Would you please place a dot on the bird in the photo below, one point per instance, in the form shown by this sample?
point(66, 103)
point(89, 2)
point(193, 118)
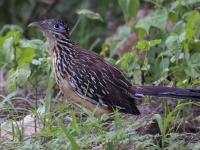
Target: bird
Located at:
point(87, 79)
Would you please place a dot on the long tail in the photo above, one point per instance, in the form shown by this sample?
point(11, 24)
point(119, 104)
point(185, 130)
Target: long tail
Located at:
point(171, 92)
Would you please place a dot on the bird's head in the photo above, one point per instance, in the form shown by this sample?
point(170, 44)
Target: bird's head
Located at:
point(52, 28)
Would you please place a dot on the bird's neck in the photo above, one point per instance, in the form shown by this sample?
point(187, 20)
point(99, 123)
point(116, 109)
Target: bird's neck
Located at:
point(59, 47)
point(62, 53)
point(66, 46)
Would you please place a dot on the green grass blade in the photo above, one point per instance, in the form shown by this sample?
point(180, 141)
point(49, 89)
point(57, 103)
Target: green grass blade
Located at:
point(74, 124)
point(69, 136)
point(117, 122)
point(160, 121)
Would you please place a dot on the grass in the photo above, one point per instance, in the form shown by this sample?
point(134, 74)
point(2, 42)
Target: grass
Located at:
point(71, 128)
point(55, 124)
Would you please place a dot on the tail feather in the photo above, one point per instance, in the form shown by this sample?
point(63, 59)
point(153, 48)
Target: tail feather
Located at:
point(171, 92)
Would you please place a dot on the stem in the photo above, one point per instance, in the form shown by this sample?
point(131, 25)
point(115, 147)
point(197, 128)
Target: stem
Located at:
point(156, 4)
point(36, 96)
point(15, 57)
point(35, 86)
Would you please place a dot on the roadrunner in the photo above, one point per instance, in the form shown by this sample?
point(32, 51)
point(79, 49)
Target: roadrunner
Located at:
point(87, 79)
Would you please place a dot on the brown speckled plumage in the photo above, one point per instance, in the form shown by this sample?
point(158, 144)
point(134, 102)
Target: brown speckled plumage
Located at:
point(86, 78)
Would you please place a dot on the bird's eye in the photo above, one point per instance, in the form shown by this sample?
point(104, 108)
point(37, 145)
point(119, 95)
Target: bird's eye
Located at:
point(59, 27)
point(56, 26)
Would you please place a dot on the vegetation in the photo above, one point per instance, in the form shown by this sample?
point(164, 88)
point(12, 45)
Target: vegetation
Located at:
point(166, 52)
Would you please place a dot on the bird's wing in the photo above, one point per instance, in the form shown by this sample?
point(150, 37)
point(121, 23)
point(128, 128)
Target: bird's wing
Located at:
point(100, 82)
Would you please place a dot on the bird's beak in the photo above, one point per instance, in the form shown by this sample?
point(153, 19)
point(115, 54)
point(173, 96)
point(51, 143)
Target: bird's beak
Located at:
point(35, 25)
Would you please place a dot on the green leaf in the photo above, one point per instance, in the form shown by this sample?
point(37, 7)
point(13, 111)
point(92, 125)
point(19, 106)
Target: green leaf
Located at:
point(140, 33)
point(195, 45)
point(8, 49)
point(89, 14)
point(173, 17)
point(143, 45)
point(145, 67)
point(154, 42)
point(196, 82)
point(129, 8)
point(189, 33)
point(8, 45)
point(174, 45)
point(166, 53)
point(193, 19)
point(14, 34)
point(189, 2)
point(36, 62)
point(104, 50)
point(44, 63)
point(192, 72)
point(133, 8)
point(16, 37)
point(174, 5)
point(23, 73)
point(195, 58)
point(129, 64)
point(26, 56)
point(182, 84)
point(36, 44)
point(157, 18)
point(181, 37)
point(164, 63)
point(11, 81)
point(124, 4)
point(178, 28)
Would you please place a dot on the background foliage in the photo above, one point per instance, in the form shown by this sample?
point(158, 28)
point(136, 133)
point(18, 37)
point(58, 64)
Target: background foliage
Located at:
point(165, 51)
